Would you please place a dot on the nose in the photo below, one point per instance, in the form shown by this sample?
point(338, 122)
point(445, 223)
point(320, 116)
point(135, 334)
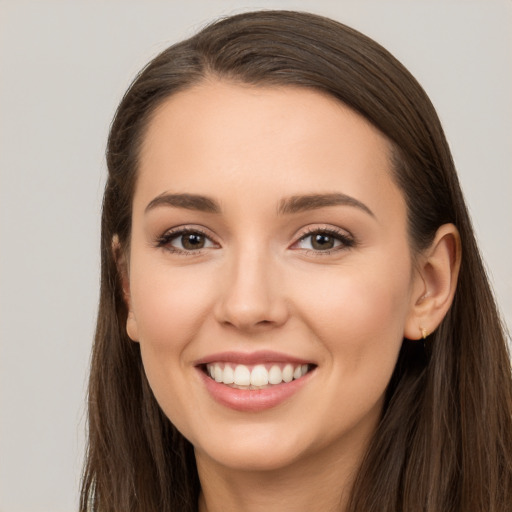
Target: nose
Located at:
point(252, 297)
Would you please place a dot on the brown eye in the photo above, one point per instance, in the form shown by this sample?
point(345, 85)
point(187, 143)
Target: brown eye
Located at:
point(185, 241)
point(322, 241)
point(191, 241)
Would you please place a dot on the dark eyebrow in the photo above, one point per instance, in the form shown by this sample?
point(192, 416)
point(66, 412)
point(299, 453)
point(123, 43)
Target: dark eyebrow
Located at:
point(187, 201)
point(296, 204)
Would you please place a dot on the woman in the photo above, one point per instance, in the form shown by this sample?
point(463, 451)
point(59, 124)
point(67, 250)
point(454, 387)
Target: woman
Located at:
point(294, 314)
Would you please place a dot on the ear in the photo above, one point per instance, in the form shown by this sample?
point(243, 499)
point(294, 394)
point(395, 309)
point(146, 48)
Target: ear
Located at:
point(435, 283)
point(123, 270)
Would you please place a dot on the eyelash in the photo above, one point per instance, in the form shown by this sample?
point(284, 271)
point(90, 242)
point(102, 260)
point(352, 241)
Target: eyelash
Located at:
point(346, 241)
point(165, 240)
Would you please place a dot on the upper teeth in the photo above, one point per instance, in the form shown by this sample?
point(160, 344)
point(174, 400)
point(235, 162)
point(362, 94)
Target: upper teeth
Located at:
point(255, 376)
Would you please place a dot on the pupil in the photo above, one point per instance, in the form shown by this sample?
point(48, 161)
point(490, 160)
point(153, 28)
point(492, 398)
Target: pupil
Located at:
point(193, 241)
point(323, 242)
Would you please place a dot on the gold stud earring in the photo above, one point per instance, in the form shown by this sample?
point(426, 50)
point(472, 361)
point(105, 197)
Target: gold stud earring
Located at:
point(424, 332)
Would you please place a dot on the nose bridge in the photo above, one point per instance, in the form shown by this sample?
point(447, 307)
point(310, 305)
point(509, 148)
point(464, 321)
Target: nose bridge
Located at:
point(251, 292)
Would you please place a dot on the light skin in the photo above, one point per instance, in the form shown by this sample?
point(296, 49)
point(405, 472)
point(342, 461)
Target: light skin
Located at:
point(296, 242)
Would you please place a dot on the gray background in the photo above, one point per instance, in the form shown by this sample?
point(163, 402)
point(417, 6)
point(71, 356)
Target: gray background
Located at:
point(63, 68)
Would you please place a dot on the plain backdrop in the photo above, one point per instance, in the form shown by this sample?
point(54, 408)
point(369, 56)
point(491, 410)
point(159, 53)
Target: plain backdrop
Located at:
point(63, 68)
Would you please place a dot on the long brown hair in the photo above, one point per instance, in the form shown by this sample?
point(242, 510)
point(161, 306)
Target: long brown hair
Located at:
point(445, 439)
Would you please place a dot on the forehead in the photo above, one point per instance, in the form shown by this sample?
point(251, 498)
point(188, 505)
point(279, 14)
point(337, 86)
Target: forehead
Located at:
point(287, 140)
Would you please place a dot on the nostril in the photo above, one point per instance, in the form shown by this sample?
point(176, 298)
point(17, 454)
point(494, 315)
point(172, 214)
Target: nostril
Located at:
point(247, 324)
point(251, 300)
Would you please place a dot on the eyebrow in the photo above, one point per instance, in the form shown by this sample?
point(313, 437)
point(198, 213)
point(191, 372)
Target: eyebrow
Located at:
point(296, 204)
point(187, 201)
point(290, 205)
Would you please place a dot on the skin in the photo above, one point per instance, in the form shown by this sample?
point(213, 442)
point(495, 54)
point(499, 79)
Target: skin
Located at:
point(258, 284)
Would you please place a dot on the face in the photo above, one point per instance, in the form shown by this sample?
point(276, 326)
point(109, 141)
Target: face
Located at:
point(270, 276)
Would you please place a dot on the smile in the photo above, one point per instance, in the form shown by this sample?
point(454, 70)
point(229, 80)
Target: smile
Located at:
point(254, 382)
point(259, 376)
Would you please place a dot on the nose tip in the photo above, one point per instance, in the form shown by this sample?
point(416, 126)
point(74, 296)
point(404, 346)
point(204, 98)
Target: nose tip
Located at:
point(252, 299)
point(247, 317)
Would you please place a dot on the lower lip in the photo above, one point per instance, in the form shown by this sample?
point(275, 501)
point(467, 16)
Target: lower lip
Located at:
point(254, 400)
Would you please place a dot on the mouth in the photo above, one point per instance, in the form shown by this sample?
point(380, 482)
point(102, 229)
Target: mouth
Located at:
point(254, 382)
point(256, 376)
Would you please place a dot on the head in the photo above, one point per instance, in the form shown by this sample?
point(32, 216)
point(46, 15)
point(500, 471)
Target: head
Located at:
point(275, 51)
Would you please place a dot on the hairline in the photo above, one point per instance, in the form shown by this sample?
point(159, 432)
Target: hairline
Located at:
point(209, 75)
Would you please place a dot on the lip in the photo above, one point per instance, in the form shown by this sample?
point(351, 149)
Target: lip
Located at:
point(256, 400)
point(251, 358)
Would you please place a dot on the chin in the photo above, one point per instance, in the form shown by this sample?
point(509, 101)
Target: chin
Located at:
point(255, 448)
point(252, 458)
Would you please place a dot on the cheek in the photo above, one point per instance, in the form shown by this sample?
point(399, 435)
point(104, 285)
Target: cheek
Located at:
point(362, 311)
point(169, 307)
point(360, 318)
point(168, 304)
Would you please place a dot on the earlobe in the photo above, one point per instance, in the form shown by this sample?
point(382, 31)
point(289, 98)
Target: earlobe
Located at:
point(436, 283)
point(122, 269)
point(131, 327)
